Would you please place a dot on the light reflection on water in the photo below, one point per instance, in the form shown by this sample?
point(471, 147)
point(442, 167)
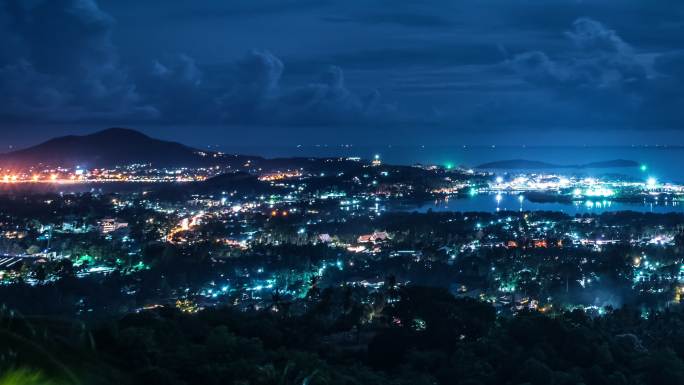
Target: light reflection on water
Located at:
point(512, 202)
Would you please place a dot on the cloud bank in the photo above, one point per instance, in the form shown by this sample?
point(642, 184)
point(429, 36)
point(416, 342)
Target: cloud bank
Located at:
point(606, 79)
point(441, 68)
point(64, 67)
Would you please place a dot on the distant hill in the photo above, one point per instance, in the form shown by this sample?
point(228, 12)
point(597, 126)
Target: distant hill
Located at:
point(518, 164)
point(111, 147)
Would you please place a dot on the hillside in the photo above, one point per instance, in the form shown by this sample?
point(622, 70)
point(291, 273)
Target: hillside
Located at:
point(111, 147)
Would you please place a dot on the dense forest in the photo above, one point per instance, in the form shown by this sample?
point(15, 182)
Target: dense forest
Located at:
point(406, 335)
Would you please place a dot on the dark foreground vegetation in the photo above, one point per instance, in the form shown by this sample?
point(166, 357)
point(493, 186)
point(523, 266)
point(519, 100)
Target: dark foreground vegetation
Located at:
point(408, 335)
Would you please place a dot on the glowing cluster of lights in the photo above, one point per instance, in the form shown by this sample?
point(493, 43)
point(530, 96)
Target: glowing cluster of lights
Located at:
point(603, 192)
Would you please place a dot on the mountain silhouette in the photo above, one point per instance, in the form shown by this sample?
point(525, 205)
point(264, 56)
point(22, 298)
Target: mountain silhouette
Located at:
point(108, 148)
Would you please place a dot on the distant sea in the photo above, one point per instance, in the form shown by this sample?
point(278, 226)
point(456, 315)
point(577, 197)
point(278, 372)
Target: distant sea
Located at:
point(665, 163)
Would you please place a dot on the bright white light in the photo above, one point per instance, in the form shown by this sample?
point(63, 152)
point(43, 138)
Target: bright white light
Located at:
point(498, 198)
point(651, 182)
point(599, 192)
point(521, 198)
point(577, 192)
point(499, 180)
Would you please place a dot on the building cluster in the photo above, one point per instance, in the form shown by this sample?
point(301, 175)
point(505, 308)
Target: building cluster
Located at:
point(288, 233)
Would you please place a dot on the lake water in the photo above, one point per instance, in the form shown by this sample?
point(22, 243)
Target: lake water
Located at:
point(488, 203)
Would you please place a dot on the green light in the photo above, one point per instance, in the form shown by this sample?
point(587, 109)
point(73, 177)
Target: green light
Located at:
point(643, 167)
point(84, 259)
point(449, 166)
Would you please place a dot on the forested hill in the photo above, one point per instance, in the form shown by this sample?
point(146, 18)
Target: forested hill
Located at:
point(426, 336)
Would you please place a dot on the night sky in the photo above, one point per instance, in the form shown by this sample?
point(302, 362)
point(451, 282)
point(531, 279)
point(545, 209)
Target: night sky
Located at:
point(283, 72)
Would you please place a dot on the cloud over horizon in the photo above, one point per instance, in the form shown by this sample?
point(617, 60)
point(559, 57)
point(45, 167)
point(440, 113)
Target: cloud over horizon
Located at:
point(467, 70)
point(61, 64)
point(67, 69)
point(608, 79)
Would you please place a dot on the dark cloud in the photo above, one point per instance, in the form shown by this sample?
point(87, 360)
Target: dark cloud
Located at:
point(605, 82)
point(647, 24)
point(601, 61)
point(173, 86)
point(254, 87)
point(329, 102)
point(390, 59)
point(576, 64)
point(591, 36)
point(63, 66)
point(181, 70)
point(68, 70)
point(407, 19)
point(601, 77)
point(198, 10)
point(664, 99)
point(250, 92)
point(257, 96)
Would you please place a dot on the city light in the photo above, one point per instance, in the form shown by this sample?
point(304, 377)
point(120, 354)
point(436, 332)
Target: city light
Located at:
point(599, 192)
point(297, 223)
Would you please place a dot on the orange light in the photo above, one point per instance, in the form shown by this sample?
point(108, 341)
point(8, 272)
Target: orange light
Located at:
point(284, 213)
point(53, 177)
point(6, 178)
point(274, 213)
point(35, 178)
